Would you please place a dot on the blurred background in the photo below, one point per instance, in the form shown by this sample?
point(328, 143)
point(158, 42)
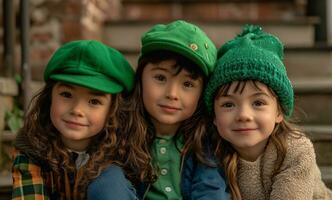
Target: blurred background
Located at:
point(31, 30)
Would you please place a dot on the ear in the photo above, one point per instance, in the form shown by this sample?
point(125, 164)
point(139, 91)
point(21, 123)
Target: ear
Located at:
point(214, 121)
point(279, 117)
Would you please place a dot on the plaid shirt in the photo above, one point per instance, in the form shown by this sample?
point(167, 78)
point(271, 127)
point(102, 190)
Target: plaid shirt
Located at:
point(30, 181)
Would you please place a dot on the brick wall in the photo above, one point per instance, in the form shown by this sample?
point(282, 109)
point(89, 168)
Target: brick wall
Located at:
point(212, 10)
point(54, 22)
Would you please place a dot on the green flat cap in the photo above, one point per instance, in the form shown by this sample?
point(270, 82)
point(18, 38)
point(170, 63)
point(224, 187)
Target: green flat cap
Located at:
point(183, 38)
point(91, 64)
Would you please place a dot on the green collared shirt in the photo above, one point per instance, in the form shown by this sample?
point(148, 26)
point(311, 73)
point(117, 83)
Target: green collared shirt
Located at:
point(167, 159)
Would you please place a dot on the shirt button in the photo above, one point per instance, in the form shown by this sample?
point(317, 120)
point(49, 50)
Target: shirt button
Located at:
point(162, 150)
point(168, 189)
point(163, 172)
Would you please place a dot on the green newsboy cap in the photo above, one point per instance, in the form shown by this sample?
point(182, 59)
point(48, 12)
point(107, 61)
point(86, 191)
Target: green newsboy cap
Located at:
point(183, 38)
point(91, 64)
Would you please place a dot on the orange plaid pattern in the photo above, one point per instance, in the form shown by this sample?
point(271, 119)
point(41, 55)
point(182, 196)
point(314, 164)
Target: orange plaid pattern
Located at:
point(29, 180)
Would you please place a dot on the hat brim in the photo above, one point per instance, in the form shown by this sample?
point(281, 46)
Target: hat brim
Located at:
point(174, 47)
point(89, 81)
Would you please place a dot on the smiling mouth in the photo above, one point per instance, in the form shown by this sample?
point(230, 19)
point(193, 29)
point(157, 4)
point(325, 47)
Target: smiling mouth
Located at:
point(169, 108)
point(244, 129)
point(71, 123)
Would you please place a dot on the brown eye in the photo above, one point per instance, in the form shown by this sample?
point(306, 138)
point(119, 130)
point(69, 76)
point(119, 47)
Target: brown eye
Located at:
point(227, 105)
point(66, 94)
point(259, 103)
point(95, 102)
point(188, 84)
point(160, 77)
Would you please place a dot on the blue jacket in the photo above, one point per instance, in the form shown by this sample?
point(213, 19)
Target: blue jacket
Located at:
point(198, 182)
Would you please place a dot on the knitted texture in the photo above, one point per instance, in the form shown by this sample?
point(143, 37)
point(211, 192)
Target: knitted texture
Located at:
point(252, 55)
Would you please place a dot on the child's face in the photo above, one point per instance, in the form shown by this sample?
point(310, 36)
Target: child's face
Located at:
point(78, 113)
point(247, 119)
point(168, 97)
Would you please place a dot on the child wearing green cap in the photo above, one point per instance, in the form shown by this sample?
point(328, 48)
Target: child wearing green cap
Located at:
point(166, 107)
point(250, 99)
point(69, 134)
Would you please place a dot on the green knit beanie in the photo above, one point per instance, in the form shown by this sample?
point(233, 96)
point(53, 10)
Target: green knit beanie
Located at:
point(252, 55)
point(183, 38)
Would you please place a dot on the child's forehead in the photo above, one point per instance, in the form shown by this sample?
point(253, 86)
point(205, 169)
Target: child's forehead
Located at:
point(247, 85)
point(63, 85)
point(172, 66)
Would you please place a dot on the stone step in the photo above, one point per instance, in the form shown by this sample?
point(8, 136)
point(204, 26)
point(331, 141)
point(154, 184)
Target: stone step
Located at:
point(6, 180)
point(322, 85)
point(321, 136)
point(313, 100)
point(5, 186)
point(7, 136)
point(125, 35)
point(309, 62)
point(225, 10)
point(327, 175)
point(301, 62)
point(318, 133)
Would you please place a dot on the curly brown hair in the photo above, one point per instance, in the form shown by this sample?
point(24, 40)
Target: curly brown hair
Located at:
point(43, 144)
point(139, 126)
point(228, 156)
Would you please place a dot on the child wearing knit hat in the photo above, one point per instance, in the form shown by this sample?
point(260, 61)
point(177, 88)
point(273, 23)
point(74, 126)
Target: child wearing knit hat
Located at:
point(251, 100)
point(166, 107)
point(69, 132)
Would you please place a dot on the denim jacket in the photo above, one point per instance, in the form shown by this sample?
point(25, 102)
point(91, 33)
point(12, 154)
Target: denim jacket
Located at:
point(198, 182)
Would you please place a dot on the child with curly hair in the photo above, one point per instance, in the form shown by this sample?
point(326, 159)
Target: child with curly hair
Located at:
point(71, 123)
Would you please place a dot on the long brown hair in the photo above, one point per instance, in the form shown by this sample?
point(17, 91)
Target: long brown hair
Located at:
point(228, 156)
point(138, 121)
point(43, 144)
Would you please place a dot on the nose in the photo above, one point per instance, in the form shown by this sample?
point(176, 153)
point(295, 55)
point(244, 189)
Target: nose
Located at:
point(244, 113)
point(77, 108)
point(172, 91)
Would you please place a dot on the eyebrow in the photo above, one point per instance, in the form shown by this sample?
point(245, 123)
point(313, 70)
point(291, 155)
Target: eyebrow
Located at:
point(97, 93)
point(62, 84)
point(187, 74)
point(262, 94)
point(253, 95)
point(159, 68)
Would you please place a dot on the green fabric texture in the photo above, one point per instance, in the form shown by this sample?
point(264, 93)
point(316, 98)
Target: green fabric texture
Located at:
point(183, 38)
point(252, 55)
point(167, 158)
point(91, 64)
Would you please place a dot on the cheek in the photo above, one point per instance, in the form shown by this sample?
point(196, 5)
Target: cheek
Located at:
point(147, 98)
point(148, 92)
point(99, 118)
point(55, 110)
point(221, 123)
point(192, 103)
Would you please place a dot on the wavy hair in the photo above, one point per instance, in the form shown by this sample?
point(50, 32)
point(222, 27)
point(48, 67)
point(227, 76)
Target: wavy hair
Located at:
point(228, 156)
point(139, 127)
point(43, 144)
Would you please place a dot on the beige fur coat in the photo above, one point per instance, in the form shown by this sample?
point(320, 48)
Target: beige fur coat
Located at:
point(299, 178)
